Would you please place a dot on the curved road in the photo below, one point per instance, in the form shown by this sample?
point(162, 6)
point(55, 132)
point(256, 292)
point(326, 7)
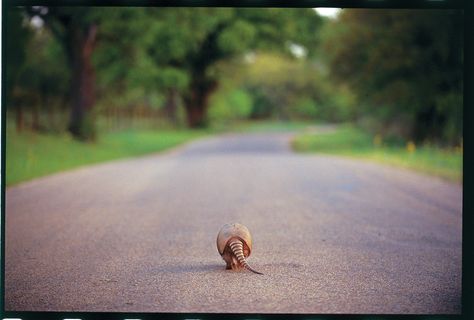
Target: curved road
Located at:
point(331, 235)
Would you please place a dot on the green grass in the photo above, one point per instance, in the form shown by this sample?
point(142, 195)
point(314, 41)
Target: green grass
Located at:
point(352, 142)
point(30, 155)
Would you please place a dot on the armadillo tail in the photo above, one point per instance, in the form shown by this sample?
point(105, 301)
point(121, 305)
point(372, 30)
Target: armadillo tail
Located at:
point(238, 250)
point(246, 265)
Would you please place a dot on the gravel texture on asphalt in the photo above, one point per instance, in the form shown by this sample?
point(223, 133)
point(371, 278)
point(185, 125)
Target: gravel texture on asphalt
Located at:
point(331, 235)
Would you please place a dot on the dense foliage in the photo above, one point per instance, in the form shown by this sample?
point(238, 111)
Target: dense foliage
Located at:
point(397, 72)
point(406, 67)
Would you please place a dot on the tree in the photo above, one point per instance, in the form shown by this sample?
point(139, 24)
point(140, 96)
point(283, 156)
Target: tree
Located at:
point(134, 53)
point(76, 29)
point(44, 77)
point(293, 88)
point(16, 42)
point(278, 85)
point(191, 42)
point(405, 65)
point(201, 38)
point(171, 50)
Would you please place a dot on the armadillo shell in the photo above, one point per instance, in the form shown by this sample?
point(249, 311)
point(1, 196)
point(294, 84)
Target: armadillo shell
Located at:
point(234, 230)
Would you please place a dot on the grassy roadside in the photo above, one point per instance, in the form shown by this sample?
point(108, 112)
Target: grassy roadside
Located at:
point(352, 142)
point(32, 155)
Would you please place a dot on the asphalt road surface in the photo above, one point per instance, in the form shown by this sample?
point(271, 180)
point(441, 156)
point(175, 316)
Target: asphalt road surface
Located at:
point(331, 235)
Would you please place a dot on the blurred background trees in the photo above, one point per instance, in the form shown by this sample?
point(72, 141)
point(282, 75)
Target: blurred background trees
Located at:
point(398, 73)
point(75, 29)
point(406, 67)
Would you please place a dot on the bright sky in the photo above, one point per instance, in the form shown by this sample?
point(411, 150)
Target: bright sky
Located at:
point(328, 12)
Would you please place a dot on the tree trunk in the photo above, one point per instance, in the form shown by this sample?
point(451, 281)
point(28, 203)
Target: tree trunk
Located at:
point(81, 46)
point(51, 120)
point(202, 86)
point(197, 99)
point(19, 118)
point(35, 122)
point(39, 104)
point(427, 124)
point(171, 105)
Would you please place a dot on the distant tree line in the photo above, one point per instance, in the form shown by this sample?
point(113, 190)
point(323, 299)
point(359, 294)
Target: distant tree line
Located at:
point(406, 67)
point(397, 72)
point(170, 50)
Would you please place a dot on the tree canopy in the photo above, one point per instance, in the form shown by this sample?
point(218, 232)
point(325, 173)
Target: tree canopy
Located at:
point(397, 72)
point(406, 66)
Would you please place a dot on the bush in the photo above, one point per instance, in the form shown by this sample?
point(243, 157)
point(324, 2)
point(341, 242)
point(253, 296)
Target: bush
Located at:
point(233, 105)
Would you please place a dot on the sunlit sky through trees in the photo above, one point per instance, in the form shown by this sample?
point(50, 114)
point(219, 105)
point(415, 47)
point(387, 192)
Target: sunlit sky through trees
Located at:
point(328, 12)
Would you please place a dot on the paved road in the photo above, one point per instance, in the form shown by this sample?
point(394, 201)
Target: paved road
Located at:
point(332, 235)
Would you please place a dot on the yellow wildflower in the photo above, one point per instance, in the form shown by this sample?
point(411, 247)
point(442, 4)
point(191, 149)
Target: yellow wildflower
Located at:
point(377, 140)
point(411, 147)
